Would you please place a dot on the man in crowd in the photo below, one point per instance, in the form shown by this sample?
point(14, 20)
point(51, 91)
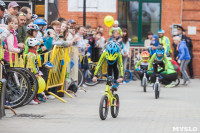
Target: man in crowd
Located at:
point(21, 30)
point(13, 8)
point(28, 13)
point(165, 42)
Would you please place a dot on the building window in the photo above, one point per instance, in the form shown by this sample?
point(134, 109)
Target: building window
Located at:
point(139, 17)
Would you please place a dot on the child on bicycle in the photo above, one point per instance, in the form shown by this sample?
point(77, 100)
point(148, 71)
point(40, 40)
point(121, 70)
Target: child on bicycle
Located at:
point(114, 58)
point(142, 64)
point(158, 59)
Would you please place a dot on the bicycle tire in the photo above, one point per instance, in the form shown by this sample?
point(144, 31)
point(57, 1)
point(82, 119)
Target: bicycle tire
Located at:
point(144, 85)
point(34, 84)
point(127, 76)
point(115, 108)
point(14, 101)
point(80, 78)
point(103, 113)
point(156, 91)
point(90, 75)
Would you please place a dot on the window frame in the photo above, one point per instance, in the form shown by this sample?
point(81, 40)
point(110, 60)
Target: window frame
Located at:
point(141, 43)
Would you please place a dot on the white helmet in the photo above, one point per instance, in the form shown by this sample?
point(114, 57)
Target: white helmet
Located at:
point(32, 27)
point(2, 4)
point(33, 42)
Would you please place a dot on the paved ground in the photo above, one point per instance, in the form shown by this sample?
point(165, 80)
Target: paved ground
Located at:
point(178, 108)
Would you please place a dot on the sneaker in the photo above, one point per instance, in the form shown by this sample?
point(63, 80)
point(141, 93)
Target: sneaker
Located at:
point(84, 85)
point(36, 100)
point(123, 82)
point(49, 65)
point(41, 99)
point(170, 85)
point(8, 103)
point(183, 83)
point(33, 102)
point(50, 97)
point(187, 83)
point(114, 87)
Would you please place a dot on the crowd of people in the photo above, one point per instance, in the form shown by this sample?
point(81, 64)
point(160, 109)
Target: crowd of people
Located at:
point(25, 33)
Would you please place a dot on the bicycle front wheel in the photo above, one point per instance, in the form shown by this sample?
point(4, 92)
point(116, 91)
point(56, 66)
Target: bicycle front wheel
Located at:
point(156, 91)
point(115, 107)
point(17, 88)
point(103, 107)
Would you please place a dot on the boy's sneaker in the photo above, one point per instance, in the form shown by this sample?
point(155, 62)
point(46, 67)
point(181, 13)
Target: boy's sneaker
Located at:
point(8, 103)
point(114, 87)
point(41, 99)
point(36, 100)
point(33, 102)
point(49, 65)
point(50, 97)
point(84, 85)
point(170, 85)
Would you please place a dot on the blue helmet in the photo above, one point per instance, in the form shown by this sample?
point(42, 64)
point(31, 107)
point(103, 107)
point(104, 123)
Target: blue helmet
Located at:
point(155, 36)
point(161, 31)
point(40, 21)
point(160, 52)
point(112, 51)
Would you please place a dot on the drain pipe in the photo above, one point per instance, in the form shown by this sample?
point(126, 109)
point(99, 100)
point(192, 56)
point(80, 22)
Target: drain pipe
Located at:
point(46, 9)
point(181, 11)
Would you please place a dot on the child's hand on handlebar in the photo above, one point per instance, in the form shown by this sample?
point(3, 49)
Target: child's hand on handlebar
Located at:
point(94, 79)
point(119, 80)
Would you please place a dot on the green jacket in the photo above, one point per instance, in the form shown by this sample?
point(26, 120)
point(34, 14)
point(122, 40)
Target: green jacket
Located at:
point(103, 58)
point(154, 59)
point(21, 34)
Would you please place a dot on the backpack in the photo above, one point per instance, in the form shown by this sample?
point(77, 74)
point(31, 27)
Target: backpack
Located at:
point(176, 65)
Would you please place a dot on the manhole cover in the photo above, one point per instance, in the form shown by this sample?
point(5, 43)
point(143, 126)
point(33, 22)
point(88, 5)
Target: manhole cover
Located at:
point(30, 115)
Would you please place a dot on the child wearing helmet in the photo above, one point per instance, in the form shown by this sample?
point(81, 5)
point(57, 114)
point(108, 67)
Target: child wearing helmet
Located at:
point(142, 64)
point(158, 59)
point(32, 31)
point(114, 59)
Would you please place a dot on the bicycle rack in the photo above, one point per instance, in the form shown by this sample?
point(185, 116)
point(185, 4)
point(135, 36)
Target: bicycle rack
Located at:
point(2, 97)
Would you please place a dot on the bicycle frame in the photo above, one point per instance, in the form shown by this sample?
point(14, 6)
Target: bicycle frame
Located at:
point(110, 96)
point(158, 83)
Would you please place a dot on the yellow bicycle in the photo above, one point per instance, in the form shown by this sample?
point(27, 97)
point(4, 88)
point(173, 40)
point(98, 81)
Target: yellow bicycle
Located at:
point(108, 99)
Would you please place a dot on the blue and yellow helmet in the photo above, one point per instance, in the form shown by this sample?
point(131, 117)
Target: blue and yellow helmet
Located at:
point(112, 51)
point(160, 52)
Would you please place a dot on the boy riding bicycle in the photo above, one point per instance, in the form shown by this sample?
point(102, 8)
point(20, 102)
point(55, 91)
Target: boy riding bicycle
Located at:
point(142, 64)
point(114, 59)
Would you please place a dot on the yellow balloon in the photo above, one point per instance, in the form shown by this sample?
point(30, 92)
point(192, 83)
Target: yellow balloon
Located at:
point(42, 85)
point(109, 20)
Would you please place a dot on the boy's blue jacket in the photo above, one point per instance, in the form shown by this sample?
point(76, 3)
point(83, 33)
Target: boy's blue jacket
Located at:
point(183, 51)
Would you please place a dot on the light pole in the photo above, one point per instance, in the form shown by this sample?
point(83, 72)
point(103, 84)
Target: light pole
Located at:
point(84, 12)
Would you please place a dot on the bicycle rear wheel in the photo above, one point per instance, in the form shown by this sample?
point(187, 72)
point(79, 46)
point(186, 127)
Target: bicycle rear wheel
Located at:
point(127, 76)
point(103, 107)
point(17, 88)
point(34, 84)
point(115, 107)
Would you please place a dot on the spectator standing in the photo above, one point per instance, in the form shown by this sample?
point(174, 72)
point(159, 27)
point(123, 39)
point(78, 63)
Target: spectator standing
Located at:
point(21, 30)
point(13, 8)
point(148, 41)
point(189, 46)
point(126, 46)
point(183, 58)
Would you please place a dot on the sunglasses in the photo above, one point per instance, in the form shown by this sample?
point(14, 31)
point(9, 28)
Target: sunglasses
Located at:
point(2, 8)
point(22, 14)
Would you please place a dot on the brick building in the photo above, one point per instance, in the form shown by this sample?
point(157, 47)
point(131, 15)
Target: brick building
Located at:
point(140, 16)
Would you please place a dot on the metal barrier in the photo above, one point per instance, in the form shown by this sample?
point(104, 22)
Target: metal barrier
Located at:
point(2, 97)
point(59, 58)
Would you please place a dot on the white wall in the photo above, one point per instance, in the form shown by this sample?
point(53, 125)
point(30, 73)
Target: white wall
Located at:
point(92, 5)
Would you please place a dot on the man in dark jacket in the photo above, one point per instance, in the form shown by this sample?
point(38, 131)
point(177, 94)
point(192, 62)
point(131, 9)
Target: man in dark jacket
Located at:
point(190, 46)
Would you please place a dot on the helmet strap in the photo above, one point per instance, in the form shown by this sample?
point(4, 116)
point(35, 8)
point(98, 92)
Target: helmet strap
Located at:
point(112, 62)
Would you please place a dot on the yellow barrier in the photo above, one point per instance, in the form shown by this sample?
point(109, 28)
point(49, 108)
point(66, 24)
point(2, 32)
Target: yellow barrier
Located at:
point(59, 58)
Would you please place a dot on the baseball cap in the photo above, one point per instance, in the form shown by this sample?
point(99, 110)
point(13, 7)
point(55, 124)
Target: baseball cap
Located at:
point(13, 4)
point(71, 21)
